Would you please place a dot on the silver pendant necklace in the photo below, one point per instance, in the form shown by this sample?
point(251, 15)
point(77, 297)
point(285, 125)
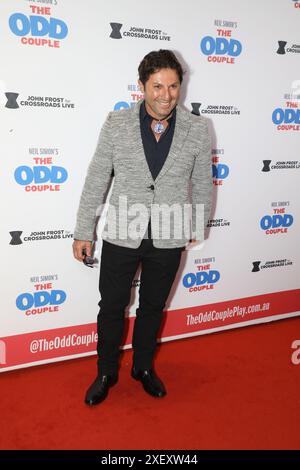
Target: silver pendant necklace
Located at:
point(159, 128)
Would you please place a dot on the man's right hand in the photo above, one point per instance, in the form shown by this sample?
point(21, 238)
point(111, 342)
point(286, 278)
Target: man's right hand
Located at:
point(82, 248)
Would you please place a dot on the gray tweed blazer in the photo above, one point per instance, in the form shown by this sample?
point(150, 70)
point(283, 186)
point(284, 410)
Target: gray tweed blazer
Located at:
point(182, 188)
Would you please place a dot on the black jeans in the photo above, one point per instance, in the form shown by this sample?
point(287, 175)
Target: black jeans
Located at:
point(118, 267)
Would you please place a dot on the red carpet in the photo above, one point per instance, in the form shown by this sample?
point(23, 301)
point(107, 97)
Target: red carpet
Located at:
point(229, 390)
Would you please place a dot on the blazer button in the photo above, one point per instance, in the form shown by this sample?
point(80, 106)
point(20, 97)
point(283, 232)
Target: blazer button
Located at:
point(151, 187)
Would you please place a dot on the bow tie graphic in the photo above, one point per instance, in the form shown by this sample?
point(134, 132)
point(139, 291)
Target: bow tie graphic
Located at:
point(281, 48)
point(116, 34)
point(256, 266)
point(196, 108)
point(12, 100)
point(16, 238)
point(266, 166)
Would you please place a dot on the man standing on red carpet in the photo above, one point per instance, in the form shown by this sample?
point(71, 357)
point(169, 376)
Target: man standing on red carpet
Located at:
point(157, 151)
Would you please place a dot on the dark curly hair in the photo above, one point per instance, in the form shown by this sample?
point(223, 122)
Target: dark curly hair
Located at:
point(156, 60)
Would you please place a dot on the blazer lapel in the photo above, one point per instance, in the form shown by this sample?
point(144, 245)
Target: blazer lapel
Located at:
point(135, 128)
point(182, 126)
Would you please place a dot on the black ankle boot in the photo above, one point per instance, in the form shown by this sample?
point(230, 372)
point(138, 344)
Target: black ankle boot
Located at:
point(98, 391)
point(150, 381)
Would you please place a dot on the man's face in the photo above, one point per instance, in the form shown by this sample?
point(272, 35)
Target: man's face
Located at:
point(161, 92)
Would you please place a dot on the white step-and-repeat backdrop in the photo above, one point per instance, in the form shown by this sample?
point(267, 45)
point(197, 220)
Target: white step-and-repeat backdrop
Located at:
point(64, 65)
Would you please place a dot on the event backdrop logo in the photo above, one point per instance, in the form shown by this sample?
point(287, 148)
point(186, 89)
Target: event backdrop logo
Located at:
point(222, 47)
point(34, 236)
point(220, 170)
point(287, 118)
point(16, 237)
point(280, 165)
point(41, 175)
point(38, 28)
point(215, 223)
point(266, 166)
point(33, 101)
point(43, 299)
point(137, 32)
point(12, 100)
point(134, 95)
point(279, 221)
point(214, 109)
point(196, 108)
point(281, 47)
point(278, 263)
point(204, 277)
point(284, 49)
point(255, 268)
point(116, 30)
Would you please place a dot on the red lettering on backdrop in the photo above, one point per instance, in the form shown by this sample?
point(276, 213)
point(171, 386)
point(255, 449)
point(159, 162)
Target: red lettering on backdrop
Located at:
point(43, 161)
point(224, 32)
point(40, 10)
